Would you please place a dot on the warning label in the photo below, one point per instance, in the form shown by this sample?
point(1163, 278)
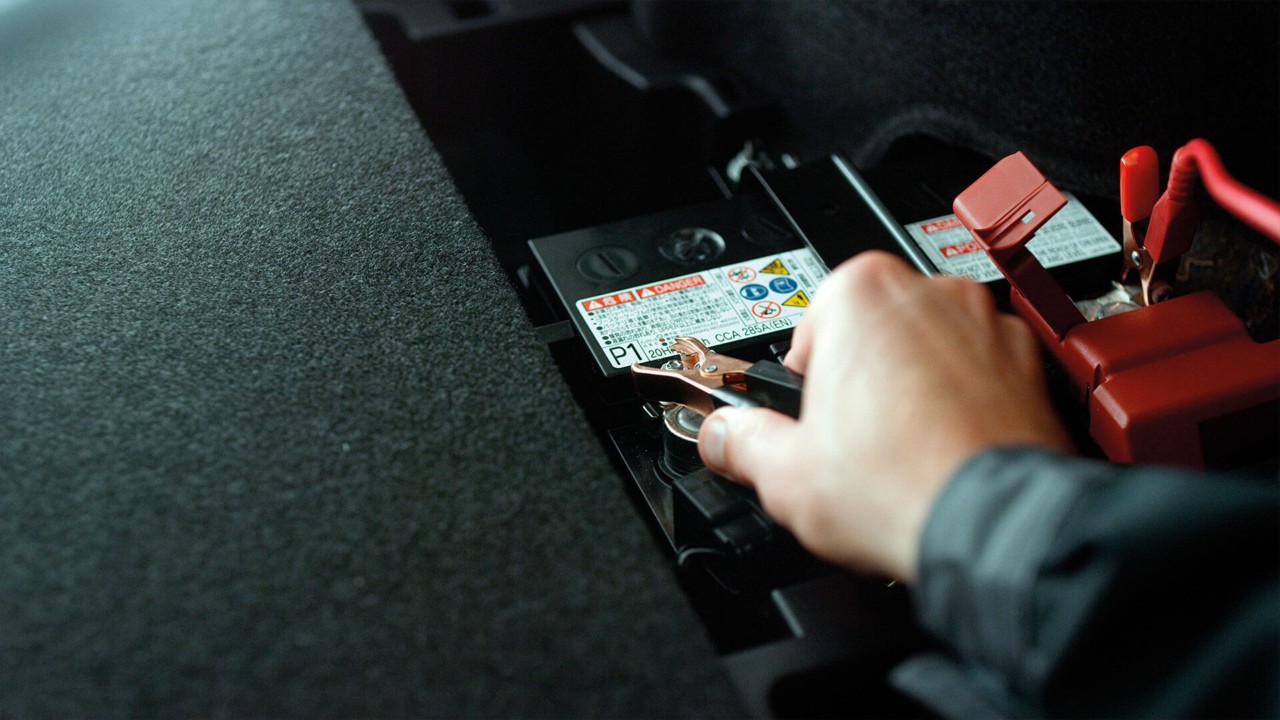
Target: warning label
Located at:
point(601, 303)
point(1070, 236)
point(716, 306)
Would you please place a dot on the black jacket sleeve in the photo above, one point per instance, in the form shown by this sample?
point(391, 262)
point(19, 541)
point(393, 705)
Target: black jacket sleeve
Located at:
point(1076, 588)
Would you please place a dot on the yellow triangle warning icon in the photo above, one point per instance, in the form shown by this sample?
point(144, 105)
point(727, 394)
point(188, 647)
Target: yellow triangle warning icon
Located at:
point(797, 300)
point(775, 268)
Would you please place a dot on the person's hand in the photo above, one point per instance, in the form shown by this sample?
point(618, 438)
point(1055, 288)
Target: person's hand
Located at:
point(905, 378)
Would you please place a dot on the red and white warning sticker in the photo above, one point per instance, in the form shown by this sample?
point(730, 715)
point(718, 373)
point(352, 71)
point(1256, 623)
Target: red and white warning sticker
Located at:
point(718, 306)
point(1072, 235)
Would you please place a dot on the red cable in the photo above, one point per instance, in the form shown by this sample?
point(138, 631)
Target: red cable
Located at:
point(1198, 158)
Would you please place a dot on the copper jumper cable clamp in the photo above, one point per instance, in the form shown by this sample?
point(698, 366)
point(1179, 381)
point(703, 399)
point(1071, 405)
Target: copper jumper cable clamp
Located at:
point(702, 380)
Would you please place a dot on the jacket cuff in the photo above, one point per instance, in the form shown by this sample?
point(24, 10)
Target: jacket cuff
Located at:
point(984, 543)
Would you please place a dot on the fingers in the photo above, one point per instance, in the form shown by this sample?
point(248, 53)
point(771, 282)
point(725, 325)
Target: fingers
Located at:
point(797, 359)
point(857, 284)
point(871, 276)
point(749, 445)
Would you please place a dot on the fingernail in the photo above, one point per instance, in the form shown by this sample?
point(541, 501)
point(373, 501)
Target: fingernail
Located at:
point(711, 440)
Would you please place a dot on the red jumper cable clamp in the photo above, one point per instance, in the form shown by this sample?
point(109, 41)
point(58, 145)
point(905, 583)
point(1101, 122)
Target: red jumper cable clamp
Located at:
point(1177, 381)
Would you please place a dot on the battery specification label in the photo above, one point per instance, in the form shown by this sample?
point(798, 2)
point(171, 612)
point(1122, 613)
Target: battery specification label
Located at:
point(718, 306)
point(1072, 235)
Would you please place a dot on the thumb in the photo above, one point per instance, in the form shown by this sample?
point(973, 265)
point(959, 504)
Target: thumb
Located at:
point(747, 445)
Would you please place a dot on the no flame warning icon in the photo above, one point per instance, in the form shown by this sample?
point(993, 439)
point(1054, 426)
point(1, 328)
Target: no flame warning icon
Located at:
point(765, 309)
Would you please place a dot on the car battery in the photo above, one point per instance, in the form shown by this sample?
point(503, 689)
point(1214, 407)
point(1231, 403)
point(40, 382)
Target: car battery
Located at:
point(735, 273)
point(730, 272)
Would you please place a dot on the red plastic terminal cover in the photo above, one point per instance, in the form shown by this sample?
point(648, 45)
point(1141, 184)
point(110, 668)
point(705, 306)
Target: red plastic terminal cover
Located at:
point(1014, 200)
point(1002, 210)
